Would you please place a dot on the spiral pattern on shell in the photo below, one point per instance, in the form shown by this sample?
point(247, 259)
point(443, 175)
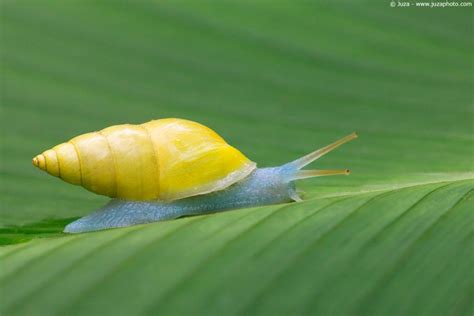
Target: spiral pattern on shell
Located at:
point(165, 159)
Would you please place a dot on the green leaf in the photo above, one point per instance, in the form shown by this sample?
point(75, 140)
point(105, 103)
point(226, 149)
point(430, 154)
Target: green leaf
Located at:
point(277, 80)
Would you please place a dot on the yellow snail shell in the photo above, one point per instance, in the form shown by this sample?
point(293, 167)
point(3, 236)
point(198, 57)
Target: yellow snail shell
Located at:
point(165, 159)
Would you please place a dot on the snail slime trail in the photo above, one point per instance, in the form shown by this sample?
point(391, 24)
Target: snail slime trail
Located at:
point(169, 168)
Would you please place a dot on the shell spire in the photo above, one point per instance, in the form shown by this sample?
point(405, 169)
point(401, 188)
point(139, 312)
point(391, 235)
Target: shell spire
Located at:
point(61, 161)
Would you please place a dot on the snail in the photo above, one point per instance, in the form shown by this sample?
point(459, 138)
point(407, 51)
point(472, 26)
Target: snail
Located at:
point(169, 168)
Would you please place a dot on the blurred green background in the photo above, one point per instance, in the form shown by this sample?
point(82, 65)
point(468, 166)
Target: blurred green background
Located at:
point(276, 79)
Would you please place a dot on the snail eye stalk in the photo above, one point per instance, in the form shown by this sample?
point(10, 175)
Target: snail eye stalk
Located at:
point(309, 158)
point(295, 166)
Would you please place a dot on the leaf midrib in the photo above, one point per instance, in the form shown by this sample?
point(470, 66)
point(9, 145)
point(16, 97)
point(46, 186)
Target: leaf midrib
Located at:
point(468, 176)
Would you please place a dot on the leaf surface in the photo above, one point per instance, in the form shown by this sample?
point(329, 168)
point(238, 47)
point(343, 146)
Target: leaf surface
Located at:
point(276, 80)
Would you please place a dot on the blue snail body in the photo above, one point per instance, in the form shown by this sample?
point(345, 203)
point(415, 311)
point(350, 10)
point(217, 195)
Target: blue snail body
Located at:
point(264, 186)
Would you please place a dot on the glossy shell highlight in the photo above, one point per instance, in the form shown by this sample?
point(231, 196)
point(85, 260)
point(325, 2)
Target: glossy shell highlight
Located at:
point(167, 159)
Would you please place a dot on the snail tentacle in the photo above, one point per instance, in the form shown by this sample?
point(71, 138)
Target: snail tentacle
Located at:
point(309, 158)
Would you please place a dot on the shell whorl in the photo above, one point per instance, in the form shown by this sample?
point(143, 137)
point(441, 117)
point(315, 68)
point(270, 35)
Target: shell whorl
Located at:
point(61, 161)
point(165, 159)
point(118, 161)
